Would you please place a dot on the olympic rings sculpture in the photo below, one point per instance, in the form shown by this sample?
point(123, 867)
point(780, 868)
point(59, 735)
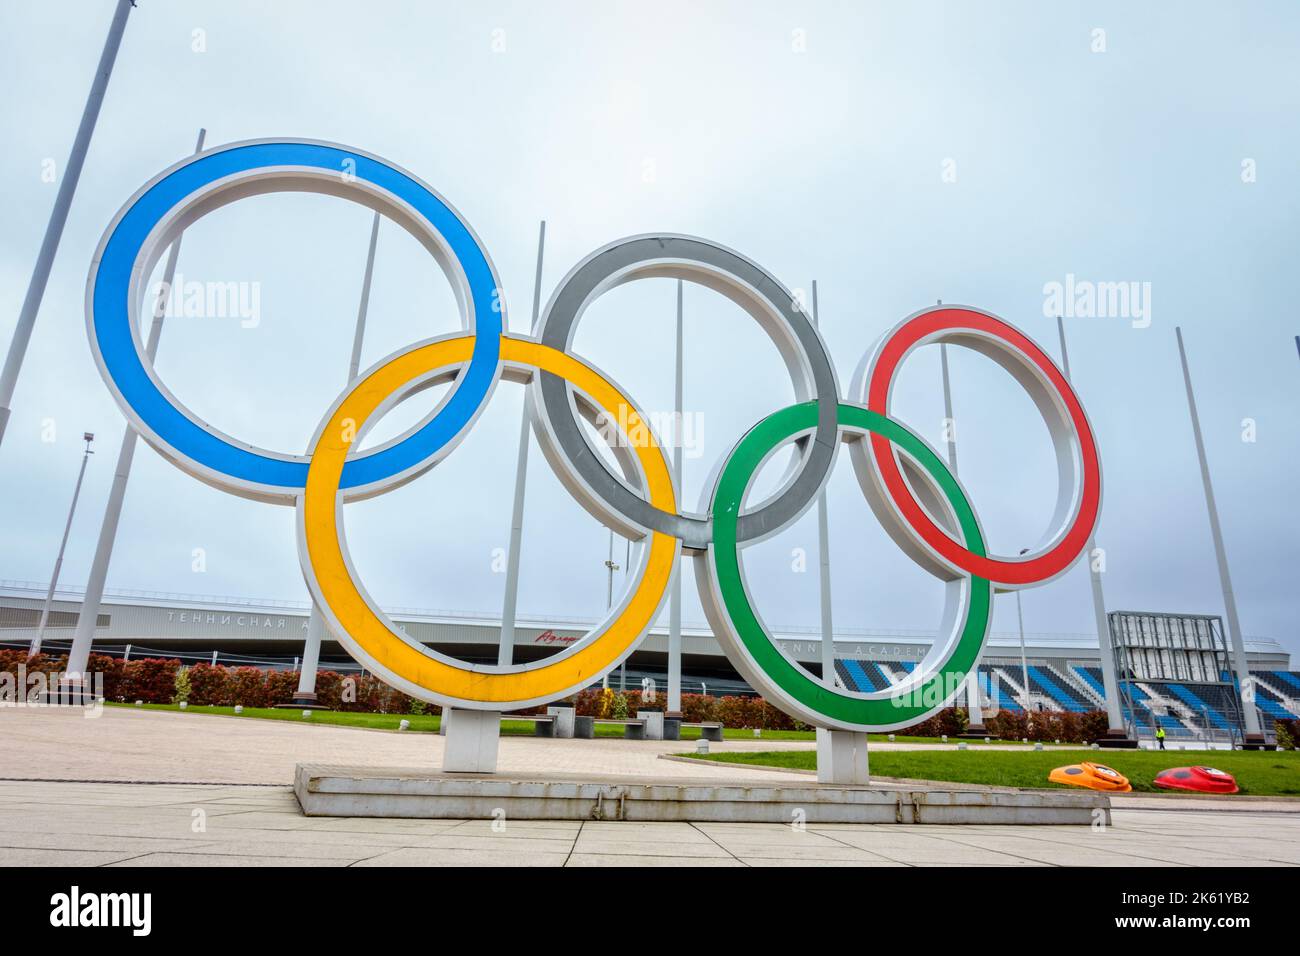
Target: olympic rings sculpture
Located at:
point(919, 501)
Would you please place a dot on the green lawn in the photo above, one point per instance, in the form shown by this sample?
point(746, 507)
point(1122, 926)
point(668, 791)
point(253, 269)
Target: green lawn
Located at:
point(429, 724)
point(1259, 773)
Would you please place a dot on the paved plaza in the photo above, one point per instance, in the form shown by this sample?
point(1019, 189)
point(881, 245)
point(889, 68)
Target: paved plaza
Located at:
point(211, 791)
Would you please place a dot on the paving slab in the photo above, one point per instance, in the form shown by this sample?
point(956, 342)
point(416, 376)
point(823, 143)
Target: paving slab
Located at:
point(250, 816)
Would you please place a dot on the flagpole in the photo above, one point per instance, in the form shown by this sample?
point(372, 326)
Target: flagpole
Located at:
point(824, 560)
point(84, 636)
point(59, 215)
point(675, 587)
point(505, 651)
point(306, 693)
point(1117, 730)
point(1254, 738)
point(974, 713)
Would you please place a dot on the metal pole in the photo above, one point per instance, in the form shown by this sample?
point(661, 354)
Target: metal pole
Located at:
point(611, 567)
point(354, 366)
point(824, 559)
point(1024, 664)
point(1106, 652)
point(59, 215)
point(84, 636)
point(63, 544)
point(974, 713)
point(306, 693)
point(505, 651)
point(675, 588)
point(627, 565)
point(1254, 735)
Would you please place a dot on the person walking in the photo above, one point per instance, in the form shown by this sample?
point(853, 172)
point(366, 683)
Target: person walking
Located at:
point(1160, 737)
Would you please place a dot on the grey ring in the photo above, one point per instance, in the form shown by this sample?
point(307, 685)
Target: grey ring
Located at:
point(584, 472)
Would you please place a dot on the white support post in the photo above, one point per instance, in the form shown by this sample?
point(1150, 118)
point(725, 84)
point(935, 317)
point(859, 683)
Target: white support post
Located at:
point(841, 754)
point(473, 739)
point(1254, 733)
point(1117, 733)
point(824, 559)
point(84, 636)
point(842, 757)
point(505, 650)
point(675, 585)
point(974, 712)
point(59, 215)
point(306, 693)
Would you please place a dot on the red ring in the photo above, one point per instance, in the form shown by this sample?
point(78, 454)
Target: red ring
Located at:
point(1042, 567)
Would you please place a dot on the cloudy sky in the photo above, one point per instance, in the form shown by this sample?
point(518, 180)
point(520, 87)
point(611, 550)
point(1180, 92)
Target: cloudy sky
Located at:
point(897, 153)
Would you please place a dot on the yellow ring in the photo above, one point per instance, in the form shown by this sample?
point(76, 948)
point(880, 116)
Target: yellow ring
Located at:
point(390, 655)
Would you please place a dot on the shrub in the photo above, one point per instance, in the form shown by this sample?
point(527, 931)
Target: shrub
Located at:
point(951, 721)
point(280, 687)
point(1066, 726)
point(181, 682)
point(619, 707)
point(151, 679)
point(247, 686)
point(1288, 733)
point(204, 684)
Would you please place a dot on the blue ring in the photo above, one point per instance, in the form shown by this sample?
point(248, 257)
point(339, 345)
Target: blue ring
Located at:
point(111, 323)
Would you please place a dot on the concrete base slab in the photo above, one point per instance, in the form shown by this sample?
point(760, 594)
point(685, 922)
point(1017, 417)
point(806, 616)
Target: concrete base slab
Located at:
point(338, 791)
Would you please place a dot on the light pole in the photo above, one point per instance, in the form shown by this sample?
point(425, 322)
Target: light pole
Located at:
point(58, 562)
point(611, 567)
point(1024, 664)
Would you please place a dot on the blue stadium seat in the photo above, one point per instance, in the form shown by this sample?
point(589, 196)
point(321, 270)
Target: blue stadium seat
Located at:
point(1286, 681)
point(1041, 682)
point(861, 676)
point(1200, 705)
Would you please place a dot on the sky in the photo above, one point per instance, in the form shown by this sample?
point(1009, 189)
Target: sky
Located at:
point(899, 154)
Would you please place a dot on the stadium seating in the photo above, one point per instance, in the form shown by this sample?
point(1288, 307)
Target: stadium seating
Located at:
point(1181, 709)
point(1286, 681)
point(862, 675)
point(1042, 682)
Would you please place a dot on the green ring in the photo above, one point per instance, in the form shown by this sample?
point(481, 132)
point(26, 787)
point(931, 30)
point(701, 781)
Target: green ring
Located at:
point(790, 680)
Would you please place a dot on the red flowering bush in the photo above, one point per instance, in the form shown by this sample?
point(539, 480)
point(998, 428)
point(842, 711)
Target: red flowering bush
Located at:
point(208, 685)
point(1065, 726)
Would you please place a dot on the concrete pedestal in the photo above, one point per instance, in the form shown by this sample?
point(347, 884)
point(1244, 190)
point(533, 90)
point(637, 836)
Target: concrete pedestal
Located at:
point(654, 723)
point(1116, 740)
point(672, 728)
point(563, 720)
point(472, 740)
point(841, 757)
